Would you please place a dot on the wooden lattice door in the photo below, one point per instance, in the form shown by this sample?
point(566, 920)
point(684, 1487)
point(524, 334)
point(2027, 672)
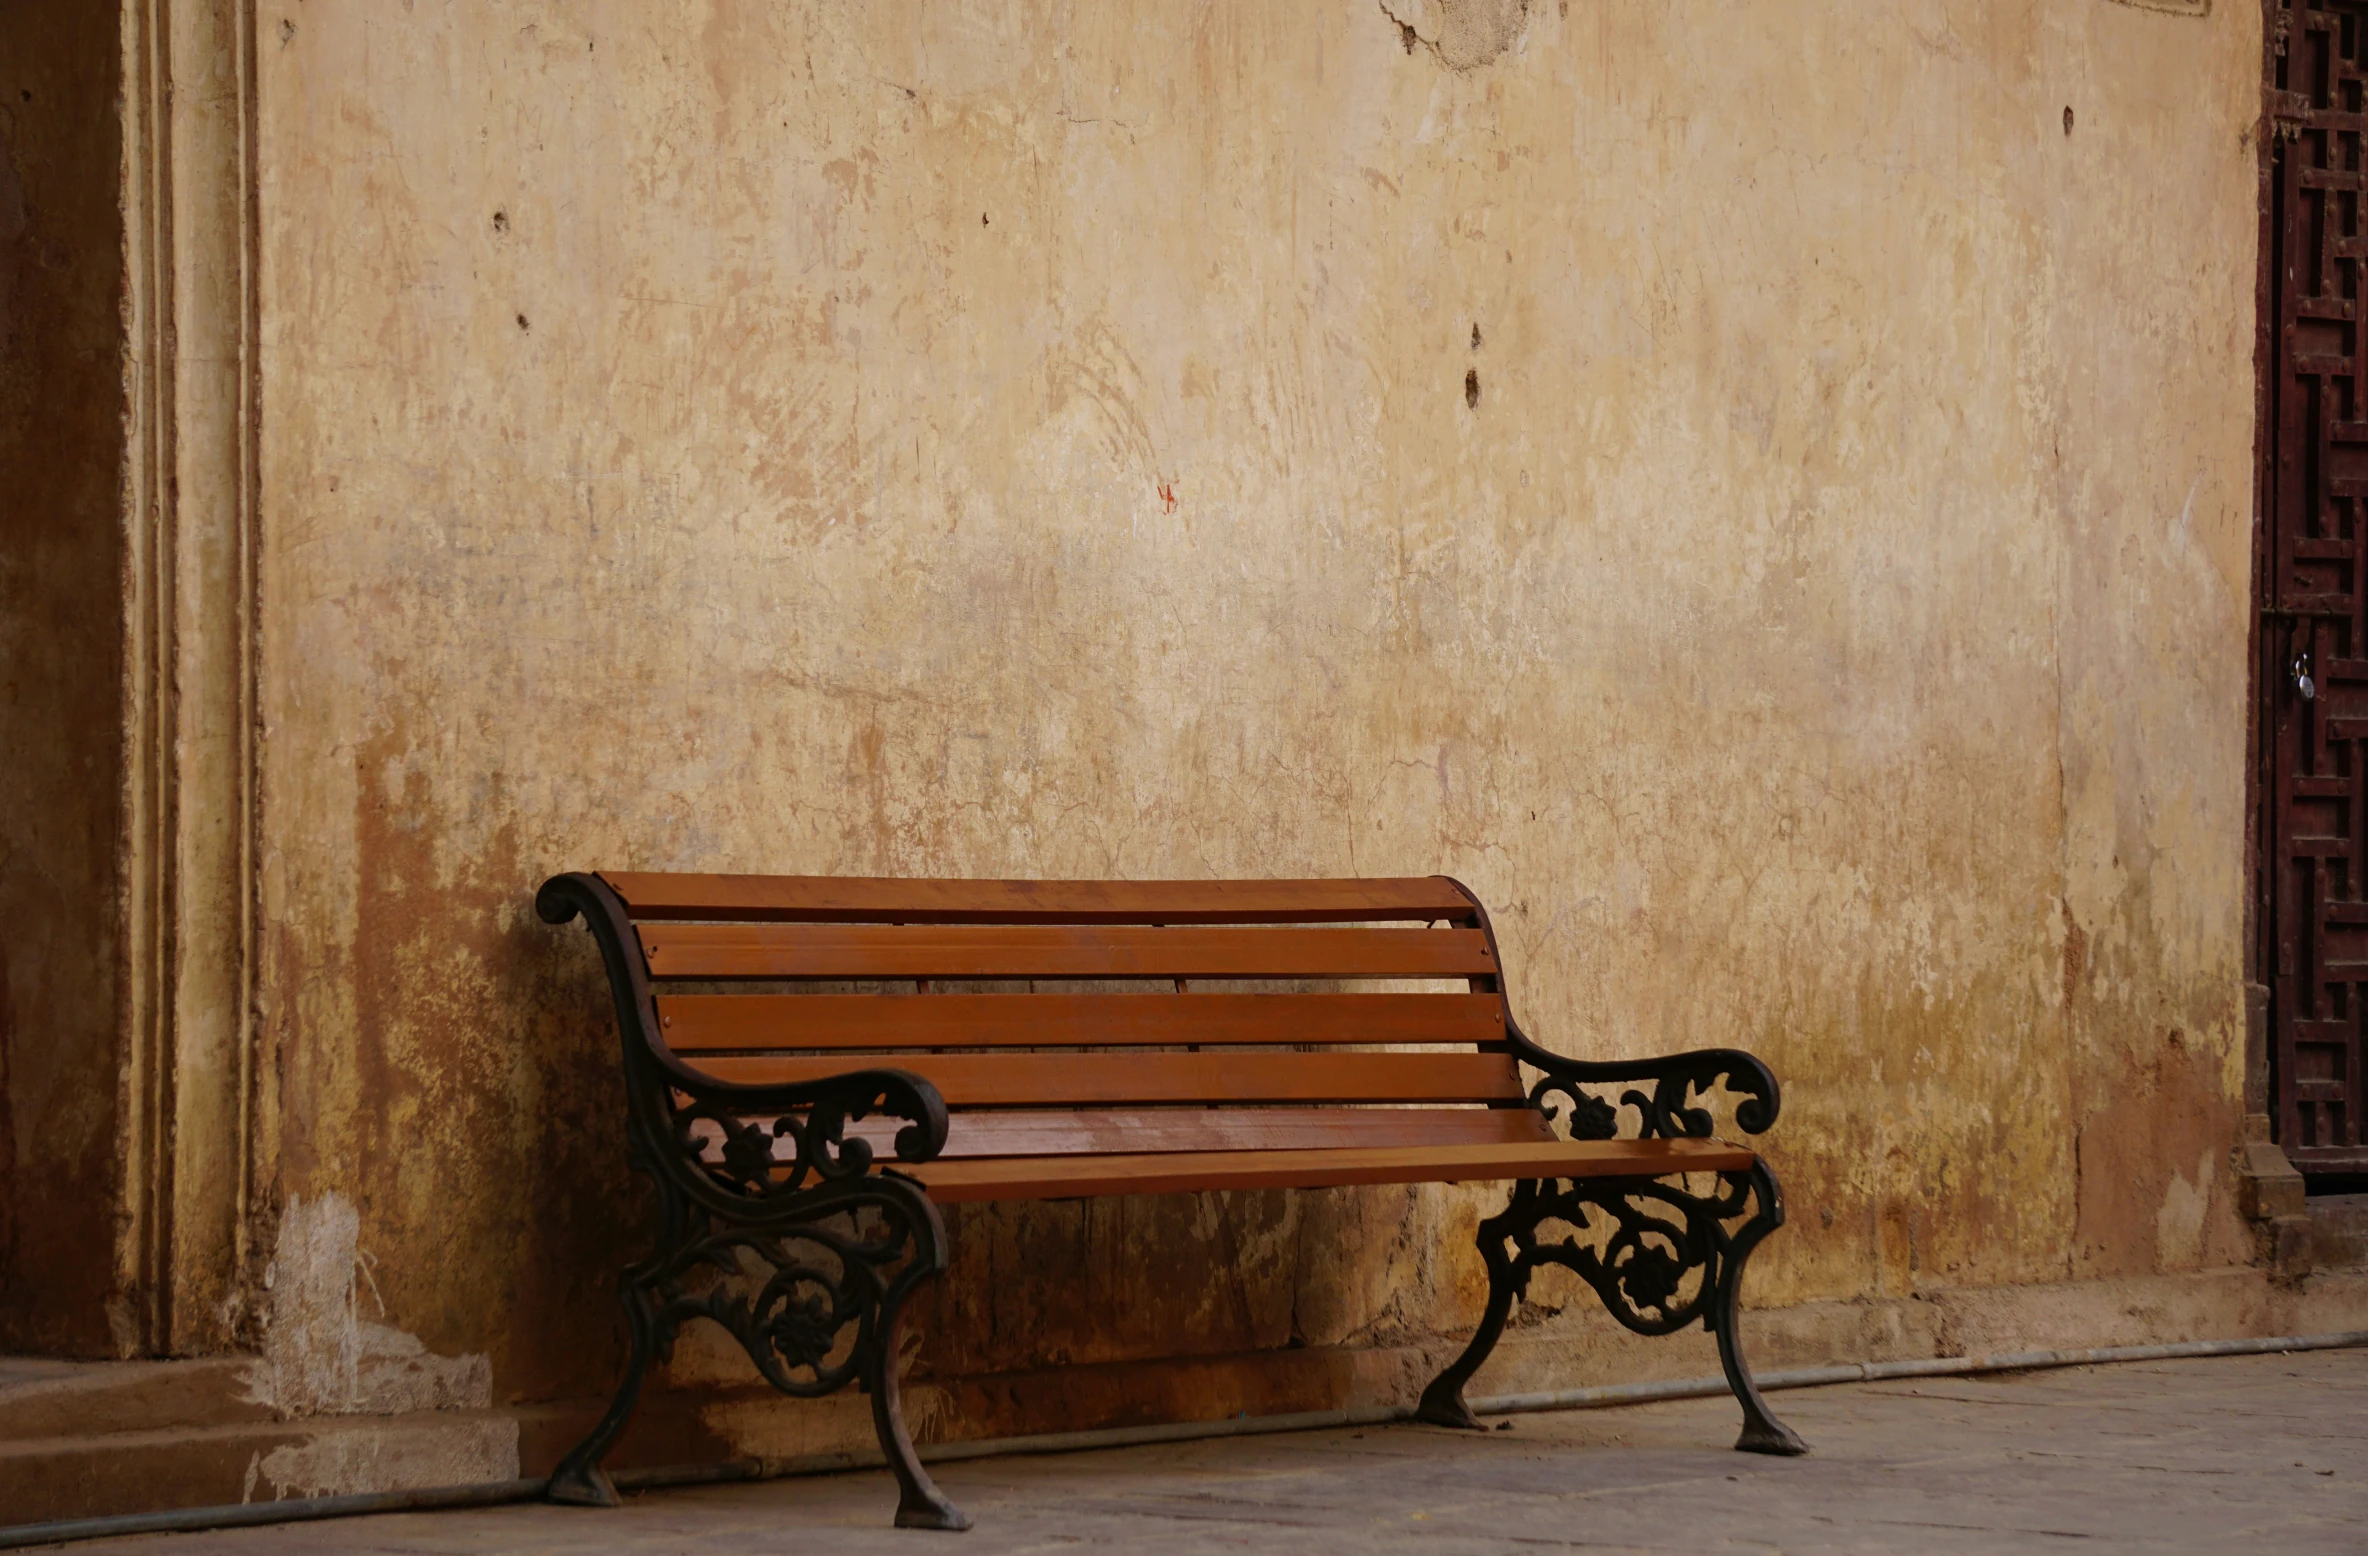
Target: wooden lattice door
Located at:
point(2313, 643)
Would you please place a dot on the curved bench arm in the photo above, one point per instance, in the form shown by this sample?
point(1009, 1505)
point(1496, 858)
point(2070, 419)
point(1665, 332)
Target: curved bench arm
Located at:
point(723, 1136)
point(1664, 1109)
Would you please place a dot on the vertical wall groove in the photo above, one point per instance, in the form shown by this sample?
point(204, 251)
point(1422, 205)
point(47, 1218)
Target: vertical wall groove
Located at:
point(141, 1311)
point(190, 699)
point(250, 588)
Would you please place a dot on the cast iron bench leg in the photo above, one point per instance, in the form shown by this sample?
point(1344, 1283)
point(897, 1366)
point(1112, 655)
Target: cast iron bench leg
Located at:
point(1762, 1432)
point(579, 1479)
point(657, 1305)
point(919, 1504)
point(1641, 1294)
point(1443, 1402)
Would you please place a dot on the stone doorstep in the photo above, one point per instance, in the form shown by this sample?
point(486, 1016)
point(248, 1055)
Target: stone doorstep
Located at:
point(204, 1445)
point(94, 1399)
point(2270, 1194)
point(210, 1466)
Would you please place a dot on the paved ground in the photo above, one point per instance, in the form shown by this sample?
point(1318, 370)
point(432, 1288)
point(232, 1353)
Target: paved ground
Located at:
point(2265, 1453)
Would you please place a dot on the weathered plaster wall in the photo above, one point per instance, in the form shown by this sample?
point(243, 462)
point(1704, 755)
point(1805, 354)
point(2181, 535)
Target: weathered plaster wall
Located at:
point(61, 627)
point(1761, 492)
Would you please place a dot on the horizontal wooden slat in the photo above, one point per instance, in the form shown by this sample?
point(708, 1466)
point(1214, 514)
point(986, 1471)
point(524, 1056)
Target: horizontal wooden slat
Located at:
point(1077, 1177)
point(857, 899)
point(864, 951)
point(694, 1023)
point(1149, 1130)
point(1085, 1080)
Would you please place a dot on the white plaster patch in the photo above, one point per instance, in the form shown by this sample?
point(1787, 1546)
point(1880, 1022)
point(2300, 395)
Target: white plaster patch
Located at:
point(2179, 1224)
point(358, 1459)
point(320, 1356)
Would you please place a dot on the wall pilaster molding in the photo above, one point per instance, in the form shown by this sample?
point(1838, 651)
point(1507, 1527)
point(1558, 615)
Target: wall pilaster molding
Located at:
point(191, 811)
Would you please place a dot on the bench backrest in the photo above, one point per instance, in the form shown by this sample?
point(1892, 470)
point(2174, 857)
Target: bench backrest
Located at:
point(1099, 1031)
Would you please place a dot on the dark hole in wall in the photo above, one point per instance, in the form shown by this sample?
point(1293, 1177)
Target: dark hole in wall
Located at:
point(1472, 388)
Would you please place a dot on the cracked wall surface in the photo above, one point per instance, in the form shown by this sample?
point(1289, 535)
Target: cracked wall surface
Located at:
point(1744, 488)
point(1460, 34)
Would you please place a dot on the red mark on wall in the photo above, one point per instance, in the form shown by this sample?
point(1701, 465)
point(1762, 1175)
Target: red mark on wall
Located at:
point(1167, 496)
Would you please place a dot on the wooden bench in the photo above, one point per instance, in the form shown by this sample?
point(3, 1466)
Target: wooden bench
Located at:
point(801, 1137)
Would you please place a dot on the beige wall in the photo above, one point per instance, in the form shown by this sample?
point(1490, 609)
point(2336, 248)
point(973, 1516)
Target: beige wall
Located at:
point(955, 439)
point(61, 662)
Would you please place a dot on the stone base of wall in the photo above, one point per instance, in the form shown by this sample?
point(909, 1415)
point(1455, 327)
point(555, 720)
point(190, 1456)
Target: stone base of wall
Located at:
point(83, 1441)
point(91, 1439)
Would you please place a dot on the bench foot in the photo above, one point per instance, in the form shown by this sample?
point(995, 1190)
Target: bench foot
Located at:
point(1772, 1437)
point(582, 1486)
point(1446, 1409)
point(939, 1514)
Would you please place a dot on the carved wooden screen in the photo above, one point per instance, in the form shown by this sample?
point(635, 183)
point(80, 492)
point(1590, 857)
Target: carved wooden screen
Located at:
point(2314, 639)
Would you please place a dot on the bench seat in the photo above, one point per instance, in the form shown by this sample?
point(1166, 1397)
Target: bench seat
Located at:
point(814, 1065)
point(1077, 1177)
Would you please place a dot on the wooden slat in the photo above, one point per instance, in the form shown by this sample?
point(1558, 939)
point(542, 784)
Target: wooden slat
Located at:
point(1077, 1177)
point(857, 952)
point(1152, 1130)
point(1085, 1080)
point(857, 899)
point(693, 1023)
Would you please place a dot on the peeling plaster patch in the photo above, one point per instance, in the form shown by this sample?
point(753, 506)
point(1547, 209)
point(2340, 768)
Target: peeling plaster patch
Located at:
point(1462, 34)
point(353, 1462)
point(321, 1357)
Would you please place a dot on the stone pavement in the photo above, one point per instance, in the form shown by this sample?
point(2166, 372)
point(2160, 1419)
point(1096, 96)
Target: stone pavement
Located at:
point(2264, 1453)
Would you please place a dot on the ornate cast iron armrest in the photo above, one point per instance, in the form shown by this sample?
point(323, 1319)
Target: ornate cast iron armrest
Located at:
point(669, 1100)
point(748, 1122)
point(1664, 1109)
